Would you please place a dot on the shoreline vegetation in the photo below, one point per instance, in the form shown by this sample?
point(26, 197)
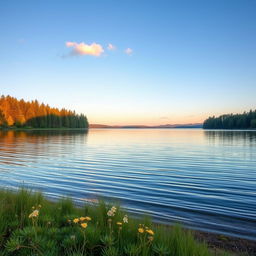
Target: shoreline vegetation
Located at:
point(16, 113)
point(33, 225)
point(247, 120)
point(40, 129)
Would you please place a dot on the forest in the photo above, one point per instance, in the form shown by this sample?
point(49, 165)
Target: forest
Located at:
point(32, 114)
point(247, 120)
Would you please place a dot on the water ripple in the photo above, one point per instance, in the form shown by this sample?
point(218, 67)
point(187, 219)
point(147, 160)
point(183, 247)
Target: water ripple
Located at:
point(204, 179)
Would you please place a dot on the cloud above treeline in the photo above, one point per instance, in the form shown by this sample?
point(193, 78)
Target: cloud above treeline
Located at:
point(94, 49)
point(85, 49)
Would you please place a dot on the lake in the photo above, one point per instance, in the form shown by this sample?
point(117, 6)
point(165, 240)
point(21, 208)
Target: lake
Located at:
point(205, 179)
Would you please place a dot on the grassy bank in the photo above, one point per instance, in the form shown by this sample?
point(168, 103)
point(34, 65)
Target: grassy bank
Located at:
point(32, 225)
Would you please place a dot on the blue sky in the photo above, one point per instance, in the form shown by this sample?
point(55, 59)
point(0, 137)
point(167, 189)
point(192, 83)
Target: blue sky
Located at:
point(187, 59)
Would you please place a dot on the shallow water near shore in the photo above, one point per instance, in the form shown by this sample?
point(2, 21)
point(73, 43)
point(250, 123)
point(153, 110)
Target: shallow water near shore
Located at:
point(205, 179)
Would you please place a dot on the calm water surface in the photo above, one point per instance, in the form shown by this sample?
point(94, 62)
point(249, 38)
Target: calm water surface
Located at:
point(204, 179)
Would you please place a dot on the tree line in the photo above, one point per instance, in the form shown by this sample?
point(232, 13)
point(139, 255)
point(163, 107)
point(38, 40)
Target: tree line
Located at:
point(247, 120)
point(21, 113)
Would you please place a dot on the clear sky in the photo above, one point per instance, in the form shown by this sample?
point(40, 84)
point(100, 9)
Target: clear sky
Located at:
point(131, 62)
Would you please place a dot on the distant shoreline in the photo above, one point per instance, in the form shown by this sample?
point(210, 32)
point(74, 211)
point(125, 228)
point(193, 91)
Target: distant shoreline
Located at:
point(196, 125)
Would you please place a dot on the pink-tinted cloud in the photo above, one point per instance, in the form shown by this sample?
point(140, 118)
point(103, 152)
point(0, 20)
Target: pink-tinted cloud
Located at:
point(111, 47)
point(85, 49)
point(128, 51)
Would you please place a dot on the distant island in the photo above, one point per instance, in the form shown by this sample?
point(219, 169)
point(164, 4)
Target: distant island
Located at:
point(247, 120)
point(195, 125)
point(16, 113)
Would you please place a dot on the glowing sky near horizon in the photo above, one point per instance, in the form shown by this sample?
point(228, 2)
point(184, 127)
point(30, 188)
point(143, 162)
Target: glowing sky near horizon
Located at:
point(131, 62)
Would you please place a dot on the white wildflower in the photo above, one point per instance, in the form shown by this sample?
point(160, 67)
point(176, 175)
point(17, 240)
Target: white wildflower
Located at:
point(113, 209)
point(125, 219)
point(110, 213)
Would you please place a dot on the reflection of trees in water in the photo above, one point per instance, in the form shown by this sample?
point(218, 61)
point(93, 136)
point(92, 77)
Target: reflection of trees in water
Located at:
point(224, 136)
point(13, 143)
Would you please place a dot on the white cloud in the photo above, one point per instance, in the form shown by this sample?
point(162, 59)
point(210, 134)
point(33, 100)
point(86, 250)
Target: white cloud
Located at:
point(128, 51)
point(85, 49)
point(111, 47)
